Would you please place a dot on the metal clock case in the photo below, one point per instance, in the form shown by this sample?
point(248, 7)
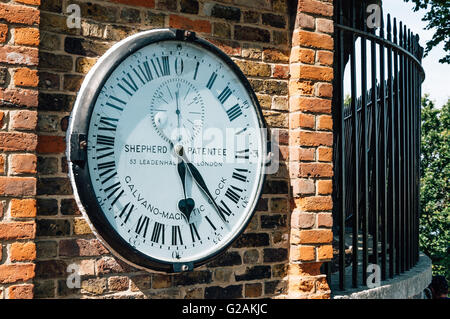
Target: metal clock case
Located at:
point(78, 146)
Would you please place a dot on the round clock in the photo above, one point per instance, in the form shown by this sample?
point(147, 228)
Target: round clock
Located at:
point(166, 150)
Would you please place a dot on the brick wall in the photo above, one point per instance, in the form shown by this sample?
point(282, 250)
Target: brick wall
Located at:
point(279, 254)
point(310, 148)
point(19, 38)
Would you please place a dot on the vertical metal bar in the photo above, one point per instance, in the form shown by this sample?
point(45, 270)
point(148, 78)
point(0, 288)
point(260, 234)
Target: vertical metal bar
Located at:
point(398, 151)
point(383, 160)
point(410, 155)
point(341, 131)
point(355, 144)
point(392, 193)
point(365, 160)
point(403, 150)
point(376, 173)
point(407, 146)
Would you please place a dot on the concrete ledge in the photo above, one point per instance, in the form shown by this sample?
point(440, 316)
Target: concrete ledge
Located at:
point(405, 286)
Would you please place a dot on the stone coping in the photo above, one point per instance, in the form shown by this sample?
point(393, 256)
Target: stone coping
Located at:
point(410, 284)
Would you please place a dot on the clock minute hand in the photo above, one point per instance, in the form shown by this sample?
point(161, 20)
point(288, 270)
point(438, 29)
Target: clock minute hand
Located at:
point(198, 179)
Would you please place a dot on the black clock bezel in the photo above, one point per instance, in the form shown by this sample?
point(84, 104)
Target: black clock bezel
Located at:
point(76, 147)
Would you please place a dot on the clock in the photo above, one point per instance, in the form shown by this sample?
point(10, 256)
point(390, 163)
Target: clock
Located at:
point(166, 150)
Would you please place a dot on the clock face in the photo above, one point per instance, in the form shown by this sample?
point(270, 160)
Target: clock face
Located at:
point(175, 152)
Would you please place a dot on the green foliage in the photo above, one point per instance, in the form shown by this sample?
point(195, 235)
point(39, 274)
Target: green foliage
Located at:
point(434, 232)
point(437, 16)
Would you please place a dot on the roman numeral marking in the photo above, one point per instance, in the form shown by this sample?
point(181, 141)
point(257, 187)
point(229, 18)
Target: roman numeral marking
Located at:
point(142, 225)
point(224, 209)
point(232, 195)
point(126, 212)
point(163, 67)
point(226, 93)
point(114, 105)
point(210, 222)
point(242, 154)
point(130, 83)
point(105, 140)
point(211, 80)
point(176, 234)
point(146, 72)
point(196, 70)
point(114, 188)
point(109, 123)
point(234, 112)
point(239, 176)
point(158, 231)
point(194, 232)
point(108, 167)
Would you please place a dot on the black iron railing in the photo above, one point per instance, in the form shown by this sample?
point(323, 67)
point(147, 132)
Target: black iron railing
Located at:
point(377, 93)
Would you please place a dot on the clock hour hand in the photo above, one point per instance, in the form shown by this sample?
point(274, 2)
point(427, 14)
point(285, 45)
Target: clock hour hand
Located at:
point(198, 179)
point(185, 205)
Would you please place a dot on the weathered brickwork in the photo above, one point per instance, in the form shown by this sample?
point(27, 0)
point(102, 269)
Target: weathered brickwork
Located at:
point(310, 148)
point(19, 40)
point(42, 65)
point(257, 38)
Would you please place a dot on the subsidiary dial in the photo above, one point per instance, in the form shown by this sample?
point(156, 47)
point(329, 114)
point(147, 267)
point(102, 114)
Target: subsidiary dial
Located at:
point(177, 110)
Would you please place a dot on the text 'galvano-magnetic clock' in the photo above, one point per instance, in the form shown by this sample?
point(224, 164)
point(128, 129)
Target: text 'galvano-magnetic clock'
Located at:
point(166, 150)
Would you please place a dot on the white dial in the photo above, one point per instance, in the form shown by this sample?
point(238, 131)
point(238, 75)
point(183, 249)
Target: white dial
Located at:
point(175, 152)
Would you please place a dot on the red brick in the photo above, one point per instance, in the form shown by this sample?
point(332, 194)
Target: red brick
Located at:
point(51, 144)
point(314, 203)
point(20, 292)
point(315, 7)
point(17, 186)
point(23, 208)
point(324, 187)
point(302, 220)
point(22, 163)
point(325, 154)
point(303, 253)
point(26, 77)
point(325, 90)
point(139, 3)
point(296, 87)
point(325, 122)
point(17, 141)
point(325, 57)
point(305, 21)
point(280, 71)
point(301, 154)
point(23, 251)
point(3, 32)
point(315, 236)
point(17, 230)
point(32, 2)
point(316, 170)
point(302, 186)
point(19, 97)
point(312, 72)
point(16, 272)
point(23, 120)
point(26, 36)
point(19, 55)
point(313, 40)
point(325, 220)
point(324, 25)
point(315, 139)
point(325, 252)
point(306, 269)
point(2, 164)
point(19, 14)
point(313, 105)
point(184, 23)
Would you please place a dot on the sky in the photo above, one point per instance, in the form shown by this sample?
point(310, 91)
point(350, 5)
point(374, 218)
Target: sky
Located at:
point(437, 75)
